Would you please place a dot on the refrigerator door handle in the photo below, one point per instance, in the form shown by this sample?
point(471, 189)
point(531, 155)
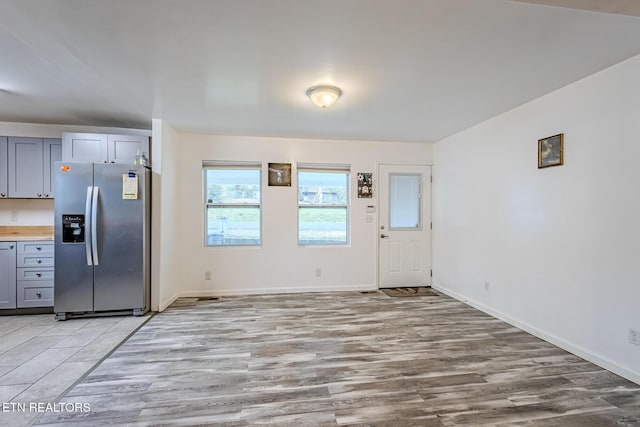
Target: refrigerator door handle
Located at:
point(87, 216)
point(94, 226)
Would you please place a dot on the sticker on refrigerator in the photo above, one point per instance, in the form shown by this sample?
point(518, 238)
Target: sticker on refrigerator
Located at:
point(130, 186)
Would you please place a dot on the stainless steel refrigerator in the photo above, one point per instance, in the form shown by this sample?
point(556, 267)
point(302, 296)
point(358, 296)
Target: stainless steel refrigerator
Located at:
point(102, 239)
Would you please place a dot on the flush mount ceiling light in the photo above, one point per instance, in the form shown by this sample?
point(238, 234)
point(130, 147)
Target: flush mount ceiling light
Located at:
point(324, 96)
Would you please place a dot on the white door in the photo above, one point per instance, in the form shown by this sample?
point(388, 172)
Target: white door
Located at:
point(404, 222)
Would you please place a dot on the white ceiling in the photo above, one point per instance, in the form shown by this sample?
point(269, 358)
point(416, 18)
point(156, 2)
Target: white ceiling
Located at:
point(410, 70)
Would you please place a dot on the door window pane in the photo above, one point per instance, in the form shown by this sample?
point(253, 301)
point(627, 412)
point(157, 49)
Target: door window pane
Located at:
point(404, 201)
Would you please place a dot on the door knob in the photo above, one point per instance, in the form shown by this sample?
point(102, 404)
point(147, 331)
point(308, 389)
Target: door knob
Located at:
point(384, 236)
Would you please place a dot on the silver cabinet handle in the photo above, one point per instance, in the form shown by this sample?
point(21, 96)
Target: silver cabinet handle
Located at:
point(2, 195)
point(10, 246)
point(39, 294)
point(39, 261)
point(384, 236)
point(38, 248)
point(39, 274)
point(39, 194)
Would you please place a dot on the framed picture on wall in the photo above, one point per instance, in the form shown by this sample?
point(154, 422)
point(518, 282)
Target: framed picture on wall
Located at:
point(280, 174)
point(365, 185)
point(551, 151)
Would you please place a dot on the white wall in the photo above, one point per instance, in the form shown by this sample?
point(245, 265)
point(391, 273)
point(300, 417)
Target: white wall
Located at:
point(280, 265)
point(26, 212)
point(559, 247)
point(165, 216)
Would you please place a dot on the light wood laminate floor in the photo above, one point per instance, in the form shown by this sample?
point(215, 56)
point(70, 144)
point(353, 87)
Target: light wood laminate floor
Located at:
point(344, 359)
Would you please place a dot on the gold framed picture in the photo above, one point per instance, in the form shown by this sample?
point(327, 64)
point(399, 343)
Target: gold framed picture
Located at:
point(551, 151)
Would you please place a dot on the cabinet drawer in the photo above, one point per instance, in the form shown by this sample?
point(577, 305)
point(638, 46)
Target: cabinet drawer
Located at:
point(35, 294)
point(35, 274)
point(37, 247)
point(46, 260)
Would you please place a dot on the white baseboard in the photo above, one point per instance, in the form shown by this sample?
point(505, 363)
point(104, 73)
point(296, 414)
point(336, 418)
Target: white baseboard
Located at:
point(269, 291)
point(546, 336)
point(164, 304)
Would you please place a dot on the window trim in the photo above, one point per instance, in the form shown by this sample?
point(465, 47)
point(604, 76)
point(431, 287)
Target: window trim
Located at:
point(230, 165)
point(326, 168)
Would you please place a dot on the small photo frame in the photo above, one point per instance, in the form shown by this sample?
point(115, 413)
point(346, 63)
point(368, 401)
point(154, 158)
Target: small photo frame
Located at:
point(280, 174)
point(365, 185)
point(551, 151)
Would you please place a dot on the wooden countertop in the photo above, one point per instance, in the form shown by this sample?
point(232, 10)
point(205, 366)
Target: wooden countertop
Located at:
point(21, 233)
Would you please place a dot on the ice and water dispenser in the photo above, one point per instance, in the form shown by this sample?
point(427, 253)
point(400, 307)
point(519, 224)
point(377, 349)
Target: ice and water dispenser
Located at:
point(72, 228)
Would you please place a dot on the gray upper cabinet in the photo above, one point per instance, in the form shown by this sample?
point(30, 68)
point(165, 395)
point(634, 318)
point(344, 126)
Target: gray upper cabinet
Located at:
point(4, 166)
point(30, 163)
point(7, 275)
point(103, 148)
point(26, 172)
point(123, 148)
point(52, 154)
point(84, 147)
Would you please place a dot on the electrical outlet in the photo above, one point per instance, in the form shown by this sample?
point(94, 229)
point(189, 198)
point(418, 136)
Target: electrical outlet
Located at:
point(634, 336)
point(207, 275)
point(318, 272)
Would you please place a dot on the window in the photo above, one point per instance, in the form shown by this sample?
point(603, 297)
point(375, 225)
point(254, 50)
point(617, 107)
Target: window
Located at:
point(404, 201)
point(232, 203)
point(323, 205)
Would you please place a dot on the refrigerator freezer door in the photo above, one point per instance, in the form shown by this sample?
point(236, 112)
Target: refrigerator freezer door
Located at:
point(119, 277)
point(73, 291)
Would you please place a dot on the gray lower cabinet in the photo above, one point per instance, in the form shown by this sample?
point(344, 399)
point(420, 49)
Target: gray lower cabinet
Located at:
point(30, 167)
point(35, 254)
point(28, 269)
point(7, 274)
point(4, 165)
point(35, 292)
point(35, 272)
